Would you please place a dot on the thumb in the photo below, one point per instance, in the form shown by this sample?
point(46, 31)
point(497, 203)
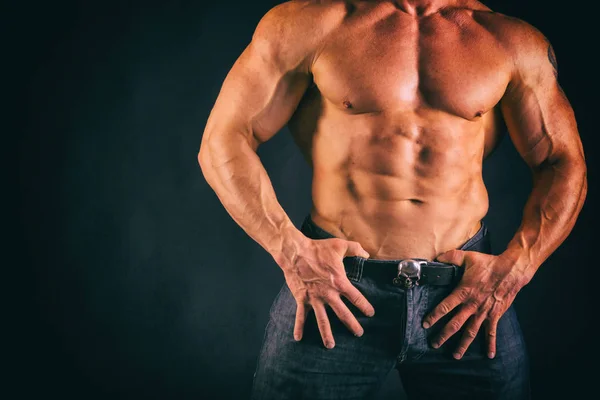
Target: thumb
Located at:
point(456, 257)
point(355, 249)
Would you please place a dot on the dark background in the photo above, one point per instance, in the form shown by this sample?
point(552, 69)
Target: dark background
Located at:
point(141, 285)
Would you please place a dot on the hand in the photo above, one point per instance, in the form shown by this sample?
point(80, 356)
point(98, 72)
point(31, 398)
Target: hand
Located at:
point(488, 287)
point(318, 278)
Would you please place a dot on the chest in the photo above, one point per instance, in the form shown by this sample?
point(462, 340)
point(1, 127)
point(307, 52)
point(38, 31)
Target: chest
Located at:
point(395, 64)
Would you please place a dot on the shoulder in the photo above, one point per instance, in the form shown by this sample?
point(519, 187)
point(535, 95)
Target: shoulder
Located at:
point(290, 19)
point(523, 42)
point(295, 29)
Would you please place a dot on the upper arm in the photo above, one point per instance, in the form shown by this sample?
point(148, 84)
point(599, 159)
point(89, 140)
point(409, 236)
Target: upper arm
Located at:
point(539, 118)
point(266, 83)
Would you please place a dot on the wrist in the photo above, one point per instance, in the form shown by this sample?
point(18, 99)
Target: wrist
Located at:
point(289, 244)
point(520, 263)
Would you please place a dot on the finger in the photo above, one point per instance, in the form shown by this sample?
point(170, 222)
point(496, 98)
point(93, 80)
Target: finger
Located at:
point(355, 249)
point(346, 316)
point(456, 257)
point(323, 324)
point(301, 311)
point(491, 328)
point(471, 329)
point(443, 308)
point(356, 297)
point(453, 326)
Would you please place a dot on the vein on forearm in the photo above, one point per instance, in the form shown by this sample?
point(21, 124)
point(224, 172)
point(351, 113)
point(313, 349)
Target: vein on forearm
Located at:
point(242, 184)
point(558, 193)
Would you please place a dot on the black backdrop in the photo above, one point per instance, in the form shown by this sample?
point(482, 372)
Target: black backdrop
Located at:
point(142, 285)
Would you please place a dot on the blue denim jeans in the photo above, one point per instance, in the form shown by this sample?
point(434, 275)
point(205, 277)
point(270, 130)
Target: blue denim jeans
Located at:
point(393, 339)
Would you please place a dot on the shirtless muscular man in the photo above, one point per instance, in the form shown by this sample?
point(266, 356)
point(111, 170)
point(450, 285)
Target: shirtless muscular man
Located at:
point(395, 104)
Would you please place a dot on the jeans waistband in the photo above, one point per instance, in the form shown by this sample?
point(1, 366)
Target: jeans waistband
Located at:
point(355, 265)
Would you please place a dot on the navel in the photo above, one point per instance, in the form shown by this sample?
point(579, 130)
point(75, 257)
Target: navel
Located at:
point(425, 154)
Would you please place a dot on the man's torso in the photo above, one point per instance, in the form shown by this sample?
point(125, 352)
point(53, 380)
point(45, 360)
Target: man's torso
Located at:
point(401, 113)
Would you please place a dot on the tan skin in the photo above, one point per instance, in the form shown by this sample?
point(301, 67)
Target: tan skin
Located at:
point(395, 104)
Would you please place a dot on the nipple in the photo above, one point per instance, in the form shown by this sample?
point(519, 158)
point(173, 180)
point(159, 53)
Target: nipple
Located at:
point(347, 104)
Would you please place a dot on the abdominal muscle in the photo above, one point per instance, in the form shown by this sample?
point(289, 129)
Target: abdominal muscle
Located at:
point(396, 229)
point(401, 190)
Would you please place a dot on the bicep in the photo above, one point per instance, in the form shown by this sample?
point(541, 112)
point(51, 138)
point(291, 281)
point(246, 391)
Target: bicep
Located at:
point(258, 96)
point(539, 118)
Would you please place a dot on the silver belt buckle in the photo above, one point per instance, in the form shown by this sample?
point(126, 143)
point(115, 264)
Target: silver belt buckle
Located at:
point(409, 273)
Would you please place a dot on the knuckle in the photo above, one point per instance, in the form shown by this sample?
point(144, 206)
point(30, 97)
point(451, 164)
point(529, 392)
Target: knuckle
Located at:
point(320, 294)
point(346, 286)
point(494, 316)
point(334, 280)
point(454, 325)
point(337, 243)
point(343, 282)
point(433, 318)
point(463, 292)
point(491, 331)
point(301, 294)
point(314, 300)
point(338, 272)
point(359, 301)
point(443, 308)
point(303, 301)
point(329, 296)
point(345, 317)
point(498, 296)
point(471, 333)
point(473, 305)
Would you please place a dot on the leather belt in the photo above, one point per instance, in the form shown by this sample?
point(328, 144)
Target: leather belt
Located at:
point(408, 272)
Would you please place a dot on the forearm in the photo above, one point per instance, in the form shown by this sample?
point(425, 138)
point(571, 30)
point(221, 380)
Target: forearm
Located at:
point(241, 183)
point(557, 196)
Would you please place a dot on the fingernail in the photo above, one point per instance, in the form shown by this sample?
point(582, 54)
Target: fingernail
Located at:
point(371, 314)
point(359, 334)
point(435, 345)
point(297, 339)
point(426, 325)
point(457, 356)
point(329, 345)
point(491, 354)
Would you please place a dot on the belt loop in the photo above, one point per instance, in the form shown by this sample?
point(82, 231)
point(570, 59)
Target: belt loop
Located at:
point(353, 265)
point(358, 268)
point(458, 273)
